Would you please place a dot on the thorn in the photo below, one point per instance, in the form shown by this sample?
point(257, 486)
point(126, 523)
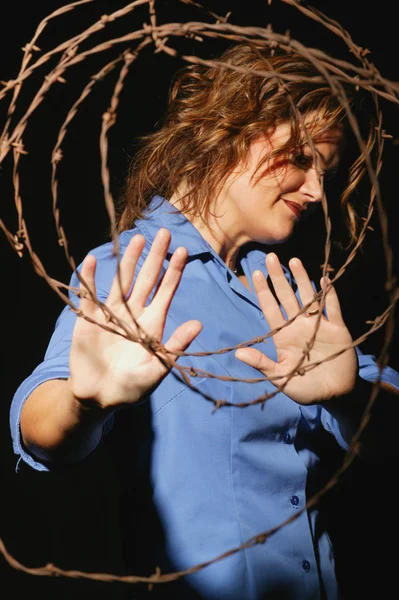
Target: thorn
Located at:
point(368, 226)
point(109, 117)
point(30, 47)
point(218, 404)
point(19, 244)
point(128, 56)
point(19, 147)
point(57, 156)
point(107, 19)
point(52, 79)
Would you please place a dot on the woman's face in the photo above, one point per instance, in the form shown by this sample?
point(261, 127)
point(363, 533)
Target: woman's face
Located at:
point(266, 206)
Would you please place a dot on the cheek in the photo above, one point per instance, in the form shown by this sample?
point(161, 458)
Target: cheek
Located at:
point(284, 180)
point(292, 180)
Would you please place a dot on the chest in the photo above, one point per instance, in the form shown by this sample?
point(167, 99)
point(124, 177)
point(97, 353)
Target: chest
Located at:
point(230, 317)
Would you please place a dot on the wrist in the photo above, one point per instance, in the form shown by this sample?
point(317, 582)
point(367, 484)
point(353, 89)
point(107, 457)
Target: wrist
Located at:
point(86, 409)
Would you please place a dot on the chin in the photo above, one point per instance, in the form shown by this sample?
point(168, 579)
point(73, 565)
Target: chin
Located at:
point(276, 239)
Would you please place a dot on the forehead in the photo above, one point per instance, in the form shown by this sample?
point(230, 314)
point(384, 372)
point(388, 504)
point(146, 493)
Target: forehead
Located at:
point(314, 132)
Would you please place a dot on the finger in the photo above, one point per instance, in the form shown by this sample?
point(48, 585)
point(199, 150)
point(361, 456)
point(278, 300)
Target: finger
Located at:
point(182, 337)
point(163, 297)
point(267, 301)
point(151, 269)
point(256, 359)
point(305, 287)
point(122, 282)
point(87, 288)
point(333, 307)
point(284, 291)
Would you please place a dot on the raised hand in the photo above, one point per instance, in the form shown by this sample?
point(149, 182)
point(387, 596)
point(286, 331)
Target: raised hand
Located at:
point(330, 379)
point(107, 369)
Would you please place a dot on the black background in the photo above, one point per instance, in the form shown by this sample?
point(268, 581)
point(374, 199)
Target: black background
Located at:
point(71, 520)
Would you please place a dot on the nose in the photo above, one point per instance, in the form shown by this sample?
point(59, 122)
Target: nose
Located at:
point(313, 186)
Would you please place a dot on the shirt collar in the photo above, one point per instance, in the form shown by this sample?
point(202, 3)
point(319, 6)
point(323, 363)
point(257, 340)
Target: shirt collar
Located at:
point(160, 213)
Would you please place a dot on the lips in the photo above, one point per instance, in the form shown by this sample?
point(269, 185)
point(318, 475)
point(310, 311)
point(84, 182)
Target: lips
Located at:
point(296, 208)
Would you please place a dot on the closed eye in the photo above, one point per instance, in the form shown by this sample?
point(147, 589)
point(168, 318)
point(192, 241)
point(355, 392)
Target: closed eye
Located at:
point(302, 161)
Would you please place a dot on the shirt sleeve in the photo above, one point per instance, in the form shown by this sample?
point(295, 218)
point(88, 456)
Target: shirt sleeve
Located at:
point(369, 371)
point(55, 364)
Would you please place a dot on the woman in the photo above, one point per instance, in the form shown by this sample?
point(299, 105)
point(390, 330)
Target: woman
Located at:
point(237, 164)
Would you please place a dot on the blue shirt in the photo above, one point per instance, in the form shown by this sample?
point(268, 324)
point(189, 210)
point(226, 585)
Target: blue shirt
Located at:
point(218, 478)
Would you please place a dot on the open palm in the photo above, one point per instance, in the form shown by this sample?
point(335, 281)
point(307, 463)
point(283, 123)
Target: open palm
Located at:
point(106, 367)
point(330, 379)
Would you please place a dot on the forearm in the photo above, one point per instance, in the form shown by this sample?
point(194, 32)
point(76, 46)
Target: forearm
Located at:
point(55, 426)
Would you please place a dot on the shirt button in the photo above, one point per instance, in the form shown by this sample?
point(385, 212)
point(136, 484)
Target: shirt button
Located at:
point(286, 437)
point(294, 500)
point(306, 565)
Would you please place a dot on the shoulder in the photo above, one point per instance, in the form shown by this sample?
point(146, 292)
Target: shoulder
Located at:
point(107, 257)
point(109, 250)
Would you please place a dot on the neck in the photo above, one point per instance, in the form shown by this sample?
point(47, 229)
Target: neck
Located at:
point(217, 232)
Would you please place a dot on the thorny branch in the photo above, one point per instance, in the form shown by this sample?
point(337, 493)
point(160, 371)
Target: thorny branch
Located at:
point(334, 71)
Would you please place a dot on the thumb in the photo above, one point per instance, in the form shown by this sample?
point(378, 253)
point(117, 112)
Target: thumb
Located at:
point(182, 337)
point(256, 359)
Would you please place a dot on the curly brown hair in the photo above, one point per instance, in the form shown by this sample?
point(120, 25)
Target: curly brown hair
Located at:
point(215, 113)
